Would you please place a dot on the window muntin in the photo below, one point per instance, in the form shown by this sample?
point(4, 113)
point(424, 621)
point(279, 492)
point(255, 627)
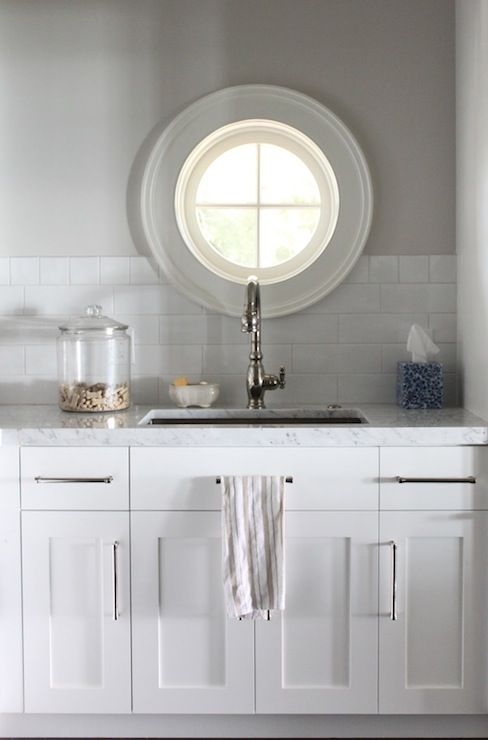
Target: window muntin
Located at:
point(257, 196)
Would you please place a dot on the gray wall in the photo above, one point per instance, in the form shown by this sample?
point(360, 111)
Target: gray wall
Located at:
point(83, 82)
point(82, 85)
point(472, 208)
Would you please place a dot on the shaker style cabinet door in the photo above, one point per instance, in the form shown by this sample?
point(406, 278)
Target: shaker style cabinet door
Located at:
point(10, 584)
point(76, 612)
point(320, 655)
point(433, 624)
point(188, 657)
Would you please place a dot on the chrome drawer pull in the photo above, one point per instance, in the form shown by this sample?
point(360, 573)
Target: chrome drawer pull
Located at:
point(115, 581)
point(40, 479)
point(393, 608)
point(468, 479)
point(288, 479)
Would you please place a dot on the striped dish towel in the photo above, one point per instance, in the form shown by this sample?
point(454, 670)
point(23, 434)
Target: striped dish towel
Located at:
point(252, 544)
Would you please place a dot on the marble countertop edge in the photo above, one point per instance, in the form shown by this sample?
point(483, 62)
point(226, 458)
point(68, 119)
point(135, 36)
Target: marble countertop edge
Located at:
point(388, 426)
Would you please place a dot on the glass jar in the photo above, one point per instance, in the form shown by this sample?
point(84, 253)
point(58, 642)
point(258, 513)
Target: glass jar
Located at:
point(94, 354)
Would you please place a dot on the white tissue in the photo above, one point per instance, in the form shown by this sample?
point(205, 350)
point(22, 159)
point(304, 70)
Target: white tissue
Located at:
point(421, 345)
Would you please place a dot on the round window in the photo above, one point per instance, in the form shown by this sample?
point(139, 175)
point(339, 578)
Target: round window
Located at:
point(253, 180)
point(257, 196)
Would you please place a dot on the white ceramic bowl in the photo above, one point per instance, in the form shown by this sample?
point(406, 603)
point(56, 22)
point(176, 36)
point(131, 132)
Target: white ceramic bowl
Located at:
point(200, 394)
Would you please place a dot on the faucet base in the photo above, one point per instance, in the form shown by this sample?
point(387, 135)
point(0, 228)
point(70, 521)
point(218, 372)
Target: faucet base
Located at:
point(256, 405)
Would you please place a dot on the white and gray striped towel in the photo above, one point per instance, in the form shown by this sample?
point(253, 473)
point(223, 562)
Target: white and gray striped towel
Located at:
point(252, 537)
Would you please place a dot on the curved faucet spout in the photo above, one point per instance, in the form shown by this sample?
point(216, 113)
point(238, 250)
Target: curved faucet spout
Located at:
point(257, 380)
point(251, 318)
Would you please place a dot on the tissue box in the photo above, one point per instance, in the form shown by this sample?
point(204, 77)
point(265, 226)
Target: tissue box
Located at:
point(419, 385)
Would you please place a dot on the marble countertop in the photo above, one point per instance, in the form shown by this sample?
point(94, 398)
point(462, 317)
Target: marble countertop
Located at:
point(388, 426)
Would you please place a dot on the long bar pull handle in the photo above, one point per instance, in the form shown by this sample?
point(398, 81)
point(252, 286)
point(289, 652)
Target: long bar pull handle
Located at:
point(115, 581)
point(41, 479)
point(288, 479)
point(393, 603)
point(468, 479)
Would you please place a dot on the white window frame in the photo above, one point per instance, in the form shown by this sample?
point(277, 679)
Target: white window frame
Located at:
point(155, 222)
point(253, 131)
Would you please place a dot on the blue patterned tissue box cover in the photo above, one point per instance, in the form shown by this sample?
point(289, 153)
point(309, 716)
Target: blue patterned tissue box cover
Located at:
point(419, 385)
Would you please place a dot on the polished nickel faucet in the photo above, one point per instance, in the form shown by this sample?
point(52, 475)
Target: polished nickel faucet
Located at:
point(257, 380)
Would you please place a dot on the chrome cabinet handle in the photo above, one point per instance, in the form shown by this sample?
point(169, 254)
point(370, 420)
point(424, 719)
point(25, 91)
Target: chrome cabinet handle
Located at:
point(468, 479)
point(393, 603)
point(115, 581)
point(288, 479)
point(41, 479)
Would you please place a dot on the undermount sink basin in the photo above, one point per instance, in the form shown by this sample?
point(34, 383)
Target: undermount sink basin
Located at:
point(244, 417)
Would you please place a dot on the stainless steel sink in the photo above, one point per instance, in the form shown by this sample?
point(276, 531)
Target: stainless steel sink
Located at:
point(255, 417)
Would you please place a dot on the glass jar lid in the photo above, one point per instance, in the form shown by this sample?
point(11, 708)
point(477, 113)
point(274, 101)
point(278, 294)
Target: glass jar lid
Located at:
point(93, 320)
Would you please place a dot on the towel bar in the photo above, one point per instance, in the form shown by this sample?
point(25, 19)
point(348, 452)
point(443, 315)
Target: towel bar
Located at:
point(268, 616)
point(288, 479)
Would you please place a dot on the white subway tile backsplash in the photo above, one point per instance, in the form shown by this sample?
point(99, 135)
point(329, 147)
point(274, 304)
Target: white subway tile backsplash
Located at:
point(337, 358)
point(184, 329)
point(414, 269)
point(367, 388)
point(450, 395)
point(301, 328)
point(152, 299)
point(163, 360)
point(144, 389)
point(84, 270)
point(115, 270)
point(11, 299)
point(66, 300)
point(12, 360)
point(28, 390)
point(41, 360)
point(23, 330)
point(4, 270)
point(408, 298)
point(343, 348)
point(349, 298)
point(378, 328)
point(443, 327)
point(143, 271)
point(443, 268)
point(360, 271)
point(234, 359)
point(145, 328)
point(24, 270)
point(224, 329)
point(54, 270)
point(305, 389)
point(383, 269)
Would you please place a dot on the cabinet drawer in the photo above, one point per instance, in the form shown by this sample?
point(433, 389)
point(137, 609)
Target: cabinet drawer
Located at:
point(185, 478)
point(434, 478)
point(74, 477)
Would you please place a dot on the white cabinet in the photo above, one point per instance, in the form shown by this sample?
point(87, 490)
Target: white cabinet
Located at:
point(433, 657)
point(90, 478)
point(187, 656)
point(11, 699)
point(323, 478)
point(434, 548)
point(76, 611)
point(320, 655)
point(440, 478)
point(76, 575)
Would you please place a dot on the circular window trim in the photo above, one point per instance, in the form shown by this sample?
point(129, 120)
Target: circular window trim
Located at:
point(175, 143)
point(250, 131)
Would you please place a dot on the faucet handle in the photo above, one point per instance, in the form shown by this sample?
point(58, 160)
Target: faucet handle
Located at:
point(282, 377)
